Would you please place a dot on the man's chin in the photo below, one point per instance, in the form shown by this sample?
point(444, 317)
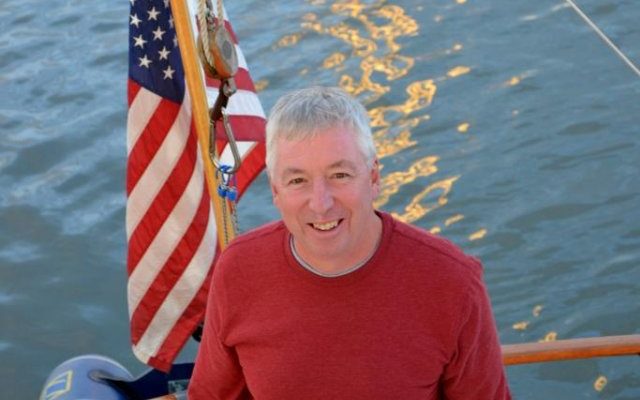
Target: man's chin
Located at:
point(325, 249)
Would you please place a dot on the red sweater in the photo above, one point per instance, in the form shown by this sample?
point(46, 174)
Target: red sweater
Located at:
point(414, 322)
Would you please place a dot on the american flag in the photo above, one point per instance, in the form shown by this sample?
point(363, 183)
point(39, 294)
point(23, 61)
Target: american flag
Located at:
point(171, 229)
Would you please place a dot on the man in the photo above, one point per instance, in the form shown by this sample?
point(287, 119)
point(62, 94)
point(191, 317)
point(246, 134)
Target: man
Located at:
point(338, 300)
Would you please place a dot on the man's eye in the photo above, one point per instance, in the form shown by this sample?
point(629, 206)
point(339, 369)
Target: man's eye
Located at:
point(295, 181)
point(341, 175)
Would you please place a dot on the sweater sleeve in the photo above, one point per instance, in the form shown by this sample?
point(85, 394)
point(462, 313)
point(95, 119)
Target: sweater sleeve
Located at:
point(217, 373)
point(475, 371)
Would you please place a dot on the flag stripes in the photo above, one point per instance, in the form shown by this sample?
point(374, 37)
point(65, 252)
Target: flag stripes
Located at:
point(185, 253)
point(170, 222)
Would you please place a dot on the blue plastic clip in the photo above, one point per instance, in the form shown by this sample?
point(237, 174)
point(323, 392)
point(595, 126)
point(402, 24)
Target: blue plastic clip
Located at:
point(226, 188)
point(223, 191)
point(232, 193)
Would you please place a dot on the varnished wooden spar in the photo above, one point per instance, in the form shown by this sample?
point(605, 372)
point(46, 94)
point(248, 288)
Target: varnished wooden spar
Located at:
point(570, 349)
point(559, 350)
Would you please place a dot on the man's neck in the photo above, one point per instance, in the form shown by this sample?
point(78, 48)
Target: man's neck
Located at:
point(337, 267)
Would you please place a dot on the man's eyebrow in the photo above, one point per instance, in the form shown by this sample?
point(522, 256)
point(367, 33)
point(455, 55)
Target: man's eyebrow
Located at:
point(343, 164)
point(292, 171)
point(338, 164)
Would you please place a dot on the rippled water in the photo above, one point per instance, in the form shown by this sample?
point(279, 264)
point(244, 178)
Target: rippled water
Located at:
point(507, 127)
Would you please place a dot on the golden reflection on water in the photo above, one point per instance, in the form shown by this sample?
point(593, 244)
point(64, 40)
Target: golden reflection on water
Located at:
point(452, 220)
point(537, 310)
point(420, 95)
point(388, 145)
point(477, 235)
point(373, 59)
point(289, 40)
point(261, 85)
point(458, 71)
point(520, 326)
point(375, 44)
point(523, 325)
point(513, 81)
point(600, 383)
point(335, 60)
point(309, 17)
point(549, 337)
point(391, 183)
point(422, 204)
point(393, 139)
point(463, 127)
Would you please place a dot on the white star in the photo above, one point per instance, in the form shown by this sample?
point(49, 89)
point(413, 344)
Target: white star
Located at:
point(158, 33)
point(164, 53)
point(144, 61)
point(135, 20)
point(153, 14)
point(139, 41)
point(168, 73)
point(175, 41)
point(166, 3)
point(171, 21)
point(132, 1)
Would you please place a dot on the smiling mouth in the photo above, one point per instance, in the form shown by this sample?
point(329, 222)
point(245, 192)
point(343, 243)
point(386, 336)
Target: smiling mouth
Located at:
point(326, 226)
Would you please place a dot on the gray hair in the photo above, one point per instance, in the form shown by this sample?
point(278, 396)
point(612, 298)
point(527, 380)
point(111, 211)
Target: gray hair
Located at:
point(305, 113)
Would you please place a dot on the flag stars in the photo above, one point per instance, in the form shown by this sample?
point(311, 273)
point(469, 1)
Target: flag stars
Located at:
point(132, 2)
point(164, 53)
point(158, 33)
point(166, 3)
point(144, 61)
point(171, 22)
point(139, 41)
point(135, 20)
point(175, 41)
point(168, 73)
point(153, 14)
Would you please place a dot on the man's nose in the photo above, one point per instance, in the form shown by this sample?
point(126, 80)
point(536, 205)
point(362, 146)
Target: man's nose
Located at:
point(321, 199)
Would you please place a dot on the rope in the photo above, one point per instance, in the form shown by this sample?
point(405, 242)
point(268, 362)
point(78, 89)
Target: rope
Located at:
point(203, 14)
point(220, 12)
point(228, 191)
point(203, 30)
point(604, 37)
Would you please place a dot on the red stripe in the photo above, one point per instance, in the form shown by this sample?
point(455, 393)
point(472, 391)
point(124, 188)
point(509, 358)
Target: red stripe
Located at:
point(242, 78)
point(172, 270)
point(232, 33)
point(252, 165)
point(246, 128)
point(150, 141)
point(132, 91)
point(181, 332)
point(162, 204)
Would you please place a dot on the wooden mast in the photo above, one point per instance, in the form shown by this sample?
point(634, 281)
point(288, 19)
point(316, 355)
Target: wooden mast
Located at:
point(199, 105)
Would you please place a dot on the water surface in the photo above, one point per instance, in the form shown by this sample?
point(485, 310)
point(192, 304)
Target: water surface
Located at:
point(507, 127)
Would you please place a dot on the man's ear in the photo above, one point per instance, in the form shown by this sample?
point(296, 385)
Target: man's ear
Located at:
point(274, 191)
point(375, 177)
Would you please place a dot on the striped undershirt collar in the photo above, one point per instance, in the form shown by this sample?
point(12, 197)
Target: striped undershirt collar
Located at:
point(309, 268)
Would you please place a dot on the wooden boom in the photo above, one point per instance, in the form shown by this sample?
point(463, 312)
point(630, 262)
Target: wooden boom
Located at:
point(570, 349)
point(559, 350)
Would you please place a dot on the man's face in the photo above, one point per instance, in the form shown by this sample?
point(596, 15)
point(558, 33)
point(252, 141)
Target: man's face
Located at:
point(324, 190)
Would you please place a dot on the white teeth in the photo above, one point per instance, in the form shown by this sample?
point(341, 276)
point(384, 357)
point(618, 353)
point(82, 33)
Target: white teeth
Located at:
point(327, 226)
